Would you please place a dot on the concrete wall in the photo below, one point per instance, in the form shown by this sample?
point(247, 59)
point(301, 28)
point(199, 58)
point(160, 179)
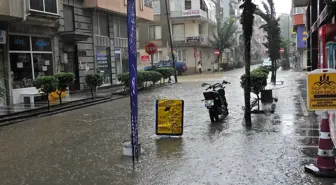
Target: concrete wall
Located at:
point(120, 6)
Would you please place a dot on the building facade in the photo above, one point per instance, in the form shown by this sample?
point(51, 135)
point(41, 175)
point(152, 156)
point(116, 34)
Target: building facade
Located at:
point(319, 15)
point(300, 32)
point(79, 36)
point(193, 23)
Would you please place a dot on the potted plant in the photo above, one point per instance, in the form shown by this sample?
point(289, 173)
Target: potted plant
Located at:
point(94, 81)
point(46, 84)
point(64, 80)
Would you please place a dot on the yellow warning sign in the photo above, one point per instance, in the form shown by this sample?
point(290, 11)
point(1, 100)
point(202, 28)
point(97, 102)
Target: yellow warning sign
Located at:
point(321, 91)
point(169, 117)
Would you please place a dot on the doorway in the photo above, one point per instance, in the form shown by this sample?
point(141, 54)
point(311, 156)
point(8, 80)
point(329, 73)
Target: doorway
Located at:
point(71, 65)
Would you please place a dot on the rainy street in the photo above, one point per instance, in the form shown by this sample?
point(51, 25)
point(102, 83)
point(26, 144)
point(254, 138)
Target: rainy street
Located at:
point(84, 146)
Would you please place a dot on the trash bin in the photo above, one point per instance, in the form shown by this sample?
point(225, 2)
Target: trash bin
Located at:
point(266, 96)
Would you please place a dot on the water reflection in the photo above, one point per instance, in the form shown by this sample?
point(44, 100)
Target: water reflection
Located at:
point(169, 147)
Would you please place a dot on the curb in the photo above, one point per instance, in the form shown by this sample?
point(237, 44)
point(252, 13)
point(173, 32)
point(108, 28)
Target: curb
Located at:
point(303, 107)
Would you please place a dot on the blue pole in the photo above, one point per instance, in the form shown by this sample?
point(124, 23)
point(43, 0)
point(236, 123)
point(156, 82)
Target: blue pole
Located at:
point(131, 30)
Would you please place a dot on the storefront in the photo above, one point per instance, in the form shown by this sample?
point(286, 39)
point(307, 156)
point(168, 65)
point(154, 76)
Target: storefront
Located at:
point(29, 58)
point(104, 64)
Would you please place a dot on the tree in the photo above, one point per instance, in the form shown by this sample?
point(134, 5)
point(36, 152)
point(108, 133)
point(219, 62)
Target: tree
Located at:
point(225, 36)
point(247, 22)
point(273, 32)
point(93, 81)
point(46, 84)
point(64, 80)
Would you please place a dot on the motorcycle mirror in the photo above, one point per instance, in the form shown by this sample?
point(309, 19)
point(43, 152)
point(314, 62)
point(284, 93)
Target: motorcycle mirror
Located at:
point(204, 84)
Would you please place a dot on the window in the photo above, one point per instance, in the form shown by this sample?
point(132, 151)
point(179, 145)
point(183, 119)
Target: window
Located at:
point(178, 32)
point(68, 12)
point(200, 31)
point(116, 27)
point(157, 56)
point(47, 6)
point(102, 24)
point(30, 57)
point(123, 28)
point(181, 55)
point(148, 3)
point(154, 32)
point(156, 7)
point(187, 4)
point(104, 64)
point(203, 5)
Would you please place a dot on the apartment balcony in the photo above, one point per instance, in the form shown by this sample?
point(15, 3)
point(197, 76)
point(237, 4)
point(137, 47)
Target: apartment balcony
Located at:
point(192, 41)
point(185, 15)
point(11, 10)
point(300, 3)
point(143, 11)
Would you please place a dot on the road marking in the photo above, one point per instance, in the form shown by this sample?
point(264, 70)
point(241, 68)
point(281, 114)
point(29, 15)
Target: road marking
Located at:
point(304, 107)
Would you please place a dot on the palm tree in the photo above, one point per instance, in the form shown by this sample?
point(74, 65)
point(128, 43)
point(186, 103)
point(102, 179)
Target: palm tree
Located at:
point(247, 22)
point(272, 29)
point(225, 36)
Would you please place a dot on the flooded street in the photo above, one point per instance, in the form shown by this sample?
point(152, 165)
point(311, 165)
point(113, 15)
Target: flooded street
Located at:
point(85, 146)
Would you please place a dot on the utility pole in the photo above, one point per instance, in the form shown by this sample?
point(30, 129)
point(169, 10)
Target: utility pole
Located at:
point(171, 40)
point(247, 22)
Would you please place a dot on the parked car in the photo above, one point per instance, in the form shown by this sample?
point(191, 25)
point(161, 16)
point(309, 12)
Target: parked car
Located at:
point(180, 66)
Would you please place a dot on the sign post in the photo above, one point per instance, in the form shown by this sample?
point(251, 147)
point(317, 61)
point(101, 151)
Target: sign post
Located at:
point(321, 87)
point(151, 49)
point(131, 30)
point(169, 117)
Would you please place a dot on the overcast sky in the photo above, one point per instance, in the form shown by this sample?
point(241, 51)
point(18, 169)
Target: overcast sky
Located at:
point(281, 6)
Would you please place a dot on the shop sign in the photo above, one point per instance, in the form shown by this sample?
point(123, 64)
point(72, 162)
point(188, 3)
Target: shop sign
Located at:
point(193, 39)
point(186, 13)
point(321, 91)
point(145, 58)
point(2, 37)
point(169, 117)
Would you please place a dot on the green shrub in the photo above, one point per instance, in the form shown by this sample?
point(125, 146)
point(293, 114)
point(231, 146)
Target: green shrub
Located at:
point(166, 72)
point(93, 81)
point(143, 76)
point(263, 69)
point(46, 84)
point(154, 77)
point(64, 80)
point(258, 80)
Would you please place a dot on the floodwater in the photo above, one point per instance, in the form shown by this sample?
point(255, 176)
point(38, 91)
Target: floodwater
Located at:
point(85, 146)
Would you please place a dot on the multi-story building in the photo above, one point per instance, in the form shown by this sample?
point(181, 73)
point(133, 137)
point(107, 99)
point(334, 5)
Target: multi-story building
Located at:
point(42, 37)
point(300, 31)
point(193, 23)
point(319, 15)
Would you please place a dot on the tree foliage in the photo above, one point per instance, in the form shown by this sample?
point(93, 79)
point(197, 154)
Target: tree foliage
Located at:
point(46, 84)
point(273, 31)
point(225, 36)
point(64, 80)
point(93, 81)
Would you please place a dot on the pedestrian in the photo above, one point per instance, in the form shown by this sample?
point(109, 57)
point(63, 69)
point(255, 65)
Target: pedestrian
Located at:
point(199, 66)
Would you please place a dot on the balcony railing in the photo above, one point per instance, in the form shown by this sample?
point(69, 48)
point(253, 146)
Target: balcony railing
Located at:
point(189, 13)
point(191, 40)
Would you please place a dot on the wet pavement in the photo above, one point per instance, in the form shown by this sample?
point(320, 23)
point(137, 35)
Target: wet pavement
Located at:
point(85, 146)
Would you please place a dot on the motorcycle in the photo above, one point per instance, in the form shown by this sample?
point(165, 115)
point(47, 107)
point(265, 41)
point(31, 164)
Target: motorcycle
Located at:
point(215, 100)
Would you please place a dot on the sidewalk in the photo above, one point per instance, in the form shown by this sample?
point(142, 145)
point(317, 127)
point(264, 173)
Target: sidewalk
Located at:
point(77, 97)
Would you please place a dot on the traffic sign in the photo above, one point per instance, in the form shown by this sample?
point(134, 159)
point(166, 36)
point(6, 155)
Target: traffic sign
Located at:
point(150, 48)
point(282, 50)
point(169, 117)
point(217, 52)
point(321, 89)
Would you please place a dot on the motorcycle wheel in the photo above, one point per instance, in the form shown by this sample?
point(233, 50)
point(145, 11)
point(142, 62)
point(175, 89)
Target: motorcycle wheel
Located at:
point(213, 116)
